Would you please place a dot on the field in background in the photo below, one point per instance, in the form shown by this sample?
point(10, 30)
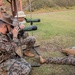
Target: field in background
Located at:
point(55, 32)
point(56, 25)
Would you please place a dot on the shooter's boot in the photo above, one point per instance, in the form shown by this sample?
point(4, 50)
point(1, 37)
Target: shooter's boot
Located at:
point(69, 51)
point(42, 60)
point(29, 54)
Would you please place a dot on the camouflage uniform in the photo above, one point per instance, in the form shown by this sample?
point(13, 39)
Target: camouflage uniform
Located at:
point(29, 40)
point(26, 40)
point(69, 60)
point(9, 63)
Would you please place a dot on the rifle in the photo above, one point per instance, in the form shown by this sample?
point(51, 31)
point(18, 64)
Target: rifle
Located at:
point(27, 28)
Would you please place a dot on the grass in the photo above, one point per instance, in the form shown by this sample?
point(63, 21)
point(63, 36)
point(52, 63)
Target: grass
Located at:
point(56, 24)
point(55, 31)
point(53, 70)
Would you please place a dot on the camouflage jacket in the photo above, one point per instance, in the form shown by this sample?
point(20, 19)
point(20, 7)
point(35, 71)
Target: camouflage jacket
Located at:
point(7, 49)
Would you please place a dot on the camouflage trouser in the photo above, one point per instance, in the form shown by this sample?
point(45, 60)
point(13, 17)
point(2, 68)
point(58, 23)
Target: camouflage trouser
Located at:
point(27, 42)
point(69, 60)
point(15, 67)
point(25, 35)
point(30, 41)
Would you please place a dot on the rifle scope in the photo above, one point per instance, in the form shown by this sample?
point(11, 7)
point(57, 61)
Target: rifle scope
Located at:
point(28, 28)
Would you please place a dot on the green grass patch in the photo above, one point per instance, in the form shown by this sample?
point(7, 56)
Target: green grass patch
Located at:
point(55, 24)
point(55, 32)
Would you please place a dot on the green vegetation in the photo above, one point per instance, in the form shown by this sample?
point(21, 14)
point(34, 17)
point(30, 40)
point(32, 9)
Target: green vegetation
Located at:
point(55, 32)
point(45, 5)
point(52, 4)
point(56, 25)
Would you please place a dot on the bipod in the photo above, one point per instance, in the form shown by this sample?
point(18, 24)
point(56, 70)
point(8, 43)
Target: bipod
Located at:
point(42, 60)
point(34, 48)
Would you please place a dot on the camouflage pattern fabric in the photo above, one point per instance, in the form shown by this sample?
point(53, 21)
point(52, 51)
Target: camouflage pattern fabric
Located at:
point(30, 41)
point(25, 35)
point(15, 67)
point(69, 60)
point(27, 41)
point(8, 61)
point(6, 50)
